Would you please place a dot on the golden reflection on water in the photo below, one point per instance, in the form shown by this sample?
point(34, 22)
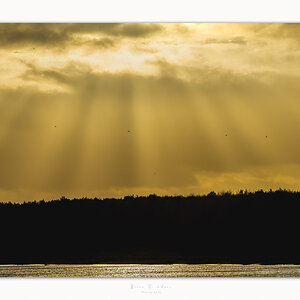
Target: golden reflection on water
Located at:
point(137, 270)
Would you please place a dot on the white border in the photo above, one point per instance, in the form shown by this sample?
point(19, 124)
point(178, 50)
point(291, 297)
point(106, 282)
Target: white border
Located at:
point(175, 289)
point(150, 11)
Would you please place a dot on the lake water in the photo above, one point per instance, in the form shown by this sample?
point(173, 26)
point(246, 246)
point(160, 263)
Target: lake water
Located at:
point(139, 270)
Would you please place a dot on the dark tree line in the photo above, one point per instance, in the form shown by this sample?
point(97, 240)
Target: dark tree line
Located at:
point(259, 227)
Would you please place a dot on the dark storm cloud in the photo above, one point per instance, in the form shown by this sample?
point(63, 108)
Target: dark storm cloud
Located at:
point(35, 34)
point(113, 29)
point(276, 31)
point(235, 40)
point(104, 43)
point(288, 30)
point(46, 34)
point(142, 30)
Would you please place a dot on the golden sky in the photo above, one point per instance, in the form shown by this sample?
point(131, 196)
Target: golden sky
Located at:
point(102, 110)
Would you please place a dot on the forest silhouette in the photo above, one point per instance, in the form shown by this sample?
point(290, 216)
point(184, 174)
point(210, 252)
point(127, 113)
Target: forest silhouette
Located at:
point(247, 227)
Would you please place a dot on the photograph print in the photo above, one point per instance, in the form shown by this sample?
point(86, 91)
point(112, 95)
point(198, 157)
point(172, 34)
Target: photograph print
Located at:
point(149, 149)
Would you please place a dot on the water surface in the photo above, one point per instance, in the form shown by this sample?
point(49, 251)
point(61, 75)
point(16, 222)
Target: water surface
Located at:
point(142, 270)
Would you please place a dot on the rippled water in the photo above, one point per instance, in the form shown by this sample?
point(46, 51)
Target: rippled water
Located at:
point(136, 270)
